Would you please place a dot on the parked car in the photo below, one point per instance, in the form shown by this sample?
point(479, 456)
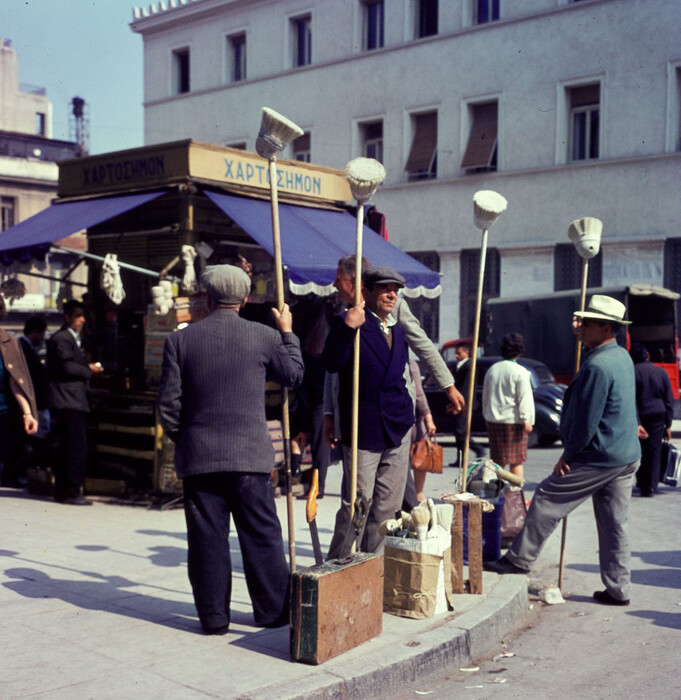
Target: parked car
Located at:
point(548, 401)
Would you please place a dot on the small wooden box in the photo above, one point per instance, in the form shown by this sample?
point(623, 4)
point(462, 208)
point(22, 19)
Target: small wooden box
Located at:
point(336, 606)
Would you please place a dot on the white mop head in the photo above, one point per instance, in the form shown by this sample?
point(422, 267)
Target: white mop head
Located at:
point(364, 176)
point(276, 132)
point(585, 234)
point(487, 206)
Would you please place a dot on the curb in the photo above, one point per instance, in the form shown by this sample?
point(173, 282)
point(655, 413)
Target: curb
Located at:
point(455, 642)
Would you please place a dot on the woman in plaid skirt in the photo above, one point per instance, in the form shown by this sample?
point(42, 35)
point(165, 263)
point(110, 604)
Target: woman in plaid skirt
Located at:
point(508, 406)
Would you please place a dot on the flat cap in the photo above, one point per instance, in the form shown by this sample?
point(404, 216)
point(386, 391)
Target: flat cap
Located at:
point(226, 284)
point(379, 274)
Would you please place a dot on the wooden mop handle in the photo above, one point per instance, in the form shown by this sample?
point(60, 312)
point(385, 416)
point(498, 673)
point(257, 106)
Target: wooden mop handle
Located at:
point(285, 424)
point(355, 365)
point(578, 358)
point(463, 465)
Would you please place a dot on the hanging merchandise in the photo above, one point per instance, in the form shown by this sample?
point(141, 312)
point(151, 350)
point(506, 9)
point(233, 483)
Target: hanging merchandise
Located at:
point(162, 294)
point(189, 284)
point(110, 281)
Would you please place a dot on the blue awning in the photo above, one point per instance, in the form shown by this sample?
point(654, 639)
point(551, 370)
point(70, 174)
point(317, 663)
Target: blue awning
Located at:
point(61, 220)
point(313, 240)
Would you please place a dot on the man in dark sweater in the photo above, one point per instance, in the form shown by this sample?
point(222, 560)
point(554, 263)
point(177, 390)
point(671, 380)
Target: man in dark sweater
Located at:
point(655, 408)
point(68, 375)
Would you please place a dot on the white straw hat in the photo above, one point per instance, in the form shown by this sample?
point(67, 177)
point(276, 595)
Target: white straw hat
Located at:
point(603, 308)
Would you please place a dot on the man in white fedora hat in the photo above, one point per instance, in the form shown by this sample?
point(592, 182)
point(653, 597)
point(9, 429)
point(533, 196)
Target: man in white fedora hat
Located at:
point(601, 453)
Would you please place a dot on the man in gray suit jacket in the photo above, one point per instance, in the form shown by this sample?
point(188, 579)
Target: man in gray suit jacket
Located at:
point(212, 405)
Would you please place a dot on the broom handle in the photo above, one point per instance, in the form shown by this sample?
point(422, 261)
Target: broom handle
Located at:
point(463, 464)
point(285, 425)
point(355, 366)
point(578, 358)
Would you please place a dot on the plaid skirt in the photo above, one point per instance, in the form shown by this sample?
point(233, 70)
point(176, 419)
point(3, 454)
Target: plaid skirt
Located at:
point(507, 443)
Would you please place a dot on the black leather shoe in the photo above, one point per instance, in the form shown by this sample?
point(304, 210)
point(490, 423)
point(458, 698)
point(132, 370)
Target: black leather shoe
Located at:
point(503, 566)
point(76, 501)
point(606, 599)
point(216, 630)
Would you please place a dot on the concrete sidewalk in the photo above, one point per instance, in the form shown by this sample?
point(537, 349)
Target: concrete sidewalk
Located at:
point(95, 602)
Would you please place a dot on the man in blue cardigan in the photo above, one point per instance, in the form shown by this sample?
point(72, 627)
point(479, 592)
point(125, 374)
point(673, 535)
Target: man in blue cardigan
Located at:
point(601, 453)
point(386, 411)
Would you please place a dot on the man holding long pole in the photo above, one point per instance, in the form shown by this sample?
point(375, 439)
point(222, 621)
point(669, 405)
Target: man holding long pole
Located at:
point(385, 409)
point(600, 456)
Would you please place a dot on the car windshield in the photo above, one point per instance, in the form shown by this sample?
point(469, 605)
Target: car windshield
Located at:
point(541, 374)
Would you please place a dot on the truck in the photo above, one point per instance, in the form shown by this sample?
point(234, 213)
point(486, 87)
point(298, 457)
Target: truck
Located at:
point(545, 322)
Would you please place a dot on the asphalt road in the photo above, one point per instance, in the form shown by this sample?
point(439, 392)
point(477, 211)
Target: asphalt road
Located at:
point(581, 649)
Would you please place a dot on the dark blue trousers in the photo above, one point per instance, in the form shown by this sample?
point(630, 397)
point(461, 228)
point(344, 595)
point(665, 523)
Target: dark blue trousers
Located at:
point(210, 500)
point(71, 454)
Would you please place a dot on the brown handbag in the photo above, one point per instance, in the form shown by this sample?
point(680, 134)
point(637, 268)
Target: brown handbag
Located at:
point(426, 456)
point(513, 513)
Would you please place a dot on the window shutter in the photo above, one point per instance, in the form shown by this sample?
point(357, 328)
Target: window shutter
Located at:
point(424, 143)
point(483, 137)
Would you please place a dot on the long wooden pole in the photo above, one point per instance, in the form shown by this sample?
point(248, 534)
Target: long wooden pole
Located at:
point(285, 423)
point(354, 439)
point(578, 358)
point(463, 462)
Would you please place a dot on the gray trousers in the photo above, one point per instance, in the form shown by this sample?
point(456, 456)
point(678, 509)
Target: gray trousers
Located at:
point(557, 496)
point(382, 475)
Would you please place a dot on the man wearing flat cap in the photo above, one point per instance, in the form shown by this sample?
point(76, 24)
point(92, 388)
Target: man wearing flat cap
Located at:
point(212, 406)
point(386, 411)
point(601, 453)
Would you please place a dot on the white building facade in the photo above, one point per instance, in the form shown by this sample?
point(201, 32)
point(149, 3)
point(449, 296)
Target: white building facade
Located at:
point(567, 108)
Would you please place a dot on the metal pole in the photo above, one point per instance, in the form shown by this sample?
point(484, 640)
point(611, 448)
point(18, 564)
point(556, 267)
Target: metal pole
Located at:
point(91, 256)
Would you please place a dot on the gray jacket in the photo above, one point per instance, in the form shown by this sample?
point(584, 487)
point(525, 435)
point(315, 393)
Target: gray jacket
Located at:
point(212, 393)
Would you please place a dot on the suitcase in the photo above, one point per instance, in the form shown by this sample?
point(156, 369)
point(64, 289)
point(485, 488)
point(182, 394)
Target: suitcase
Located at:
point(670, 467)
point(336, 606)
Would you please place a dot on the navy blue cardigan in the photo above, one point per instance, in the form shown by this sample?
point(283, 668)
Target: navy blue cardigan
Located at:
point(386, 411)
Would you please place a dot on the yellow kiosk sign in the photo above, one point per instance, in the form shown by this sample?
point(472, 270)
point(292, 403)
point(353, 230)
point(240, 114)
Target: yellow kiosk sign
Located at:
point(169, 163)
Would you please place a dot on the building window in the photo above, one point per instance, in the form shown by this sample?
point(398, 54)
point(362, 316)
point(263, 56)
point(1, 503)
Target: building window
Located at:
point(584, 122)
point(374, 24)
point(427, 310)
point(301, 148)
point(237, 57)
point(181, 71)
point(567, 269)
point(422, 160)
point(486, 11)
point(481, 150)
point(302, 41)
point(372, 140)
point(426, 18)
point(40, 124)
point(7, 208)
point(470, 269)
